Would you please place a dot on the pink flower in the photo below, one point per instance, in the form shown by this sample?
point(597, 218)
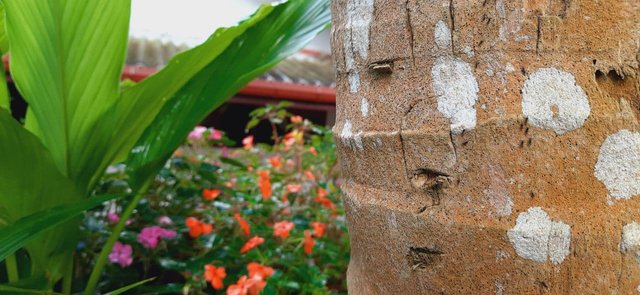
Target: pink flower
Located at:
point(197, 132)
point(121, 254)
point(215, 134)
point(247, 142)
point(150, 236)
point(113, 217)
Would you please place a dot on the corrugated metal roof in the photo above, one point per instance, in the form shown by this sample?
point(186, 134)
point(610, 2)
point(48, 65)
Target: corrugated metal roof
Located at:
point(306, 68)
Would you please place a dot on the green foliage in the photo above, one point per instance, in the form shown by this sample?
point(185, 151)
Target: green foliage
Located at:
point(212, 183)
point(66, 60)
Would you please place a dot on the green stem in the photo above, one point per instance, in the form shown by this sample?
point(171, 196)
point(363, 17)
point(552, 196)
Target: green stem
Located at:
point(67, 280)
point(113, 238)
point(12, 268)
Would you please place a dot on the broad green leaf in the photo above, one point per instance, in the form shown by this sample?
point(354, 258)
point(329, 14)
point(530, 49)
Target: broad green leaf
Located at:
point(272, 34)
point(30, 182)
point(130, 287)
point(66, 61)
point(4, 41)
point(17, 234)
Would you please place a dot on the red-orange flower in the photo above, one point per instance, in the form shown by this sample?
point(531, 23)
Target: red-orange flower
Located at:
point(327, 203)
point(214, 275)
point(243, 224)
point(322, 199)
point(197, 227)
point(265, 184)
point(282, 229)
point(322, 193)
point(296, 119)
point(259, 273)
point(251, 243)
point(210, 194)
point(258, 270)
point(244, 286)
point(309, 242)
point(309, 175)
point(313, 151)
point(247, 142)
point(275, 161)
point(319, 228)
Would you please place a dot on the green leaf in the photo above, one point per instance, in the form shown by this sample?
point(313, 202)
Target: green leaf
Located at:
point(130, 287)
point(17, 234)
point(30, 182)
point(5, 99)
point(4, 289)
point(66, 60)
point(204, 77)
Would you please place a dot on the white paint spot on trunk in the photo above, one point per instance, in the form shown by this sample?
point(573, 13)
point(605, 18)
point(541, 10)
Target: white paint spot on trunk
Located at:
point(364, 107)
point(551, 99)
point(442, 35)
point(454, 84)
point(346, 133)
point(537, 238)
point(356, 37)
point(618, 165)
point(630, 237)
point(457, 91)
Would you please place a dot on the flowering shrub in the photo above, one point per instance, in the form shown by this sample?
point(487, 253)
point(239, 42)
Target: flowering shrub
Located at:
point(262, 218)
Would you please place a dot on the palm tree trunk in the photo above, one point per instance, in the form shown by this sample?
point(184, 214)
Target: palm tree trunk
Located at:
point(490, 146)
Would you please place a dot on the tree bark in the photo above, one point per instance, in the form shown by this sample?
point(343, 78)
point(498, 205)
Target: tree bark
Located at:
point(490, 146)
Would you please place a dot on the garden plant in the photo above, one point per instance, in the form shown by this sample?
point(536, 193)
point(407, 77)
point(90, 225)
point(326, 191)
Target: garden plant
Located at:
point(66, 58)
point(260, 218)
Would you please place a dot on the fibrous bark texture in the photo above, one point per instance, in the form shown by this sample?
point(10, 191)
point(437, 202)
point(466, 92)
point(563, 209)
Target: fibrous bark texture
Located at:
point(490, 146)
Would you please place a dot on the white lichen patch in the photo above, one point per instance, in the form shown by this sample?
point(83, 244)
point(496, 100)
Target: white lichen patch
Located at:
point(454, 84)
point(357, 139)
point(364, 107)
point(630, 237)
point(537, 238)
point(346, 134)
point(551, 99)
point(618, 165)
point(356, 37)
point(456, 89)
point(442, 35)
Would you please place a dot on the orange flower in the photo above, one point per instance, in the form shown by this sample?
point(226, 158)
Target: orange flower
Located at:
point(319, 228)
point(248, 142)
point(251, 243)
point(275, 161)
point(215, 275)
point(210, 194)
point(313, 151)
point(178, 153)
point(265, 184)
point(243, 224)
point(197, 227)
point(294, 188)
point(296, 119)
point(244, 286)
point(259, 273)
point(308, 242)
point(321, 198)
point(327, 203)
point(282, 229)
point(258, 270)
point(309, 175)
point(322, 193)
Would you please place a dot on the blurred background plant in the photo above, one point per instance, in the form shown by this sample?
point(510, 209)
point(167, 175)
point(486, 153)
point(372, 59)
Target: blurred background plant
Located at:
point(259, 217)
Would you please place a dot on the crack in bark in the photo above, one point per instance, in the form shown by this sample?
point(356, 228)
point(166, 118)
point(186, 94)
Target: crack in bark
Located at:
point(452, 11)
point(411, 35)
point(453, 144)
point(539, 35)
